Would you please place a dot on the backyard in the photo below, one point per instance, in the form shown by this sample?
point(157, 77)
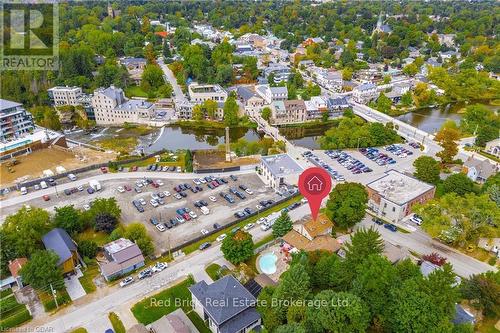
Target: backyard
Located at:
point(12, 313)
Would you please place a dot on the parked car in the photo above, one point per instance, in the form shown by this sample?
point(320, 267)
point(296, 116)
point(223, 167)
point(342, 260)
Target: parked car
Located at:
point(248, 226)
point(90, 190)
point(233, 177)
point(212, 198)
point(220, 238)
point(159, 266)
point(126, 281)
point(166, 193)
point(205, 245)
point(204, 231)
point(153, 203)
point(217, 226)
point(104, 170)
point(377, 221)
point(46, 197)
point(391, 227)
point(153, 221)
point(160, 227)
point(145, 273)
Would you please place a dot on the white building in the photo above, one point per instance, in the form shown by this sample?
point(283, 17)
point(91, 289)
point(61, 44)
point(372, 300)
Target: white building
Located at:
point(271, 94)
point(279, 170)
point(288, 112)
point(393, 195)
point(364, 93)
point(198, 93)
point(479, 170)
point(65, 95)
point(331, 80)
point(493, 147)
point(111, 107)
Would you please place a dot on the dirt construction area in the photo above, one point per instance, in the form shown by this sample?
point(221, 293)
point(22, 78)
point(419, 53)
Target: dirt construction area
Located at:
point(221, 211)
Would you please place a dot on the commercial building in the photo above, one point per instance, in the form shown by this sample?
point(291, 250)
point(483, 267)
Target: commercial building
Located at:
point(393, 195)
point(288, 112)
point(271, 94)
point(198, 93)
point(15, 121)
point(250, 100)
point(279, 170)
point(122, 256)
point(226, 306)
point(111, 107)
point(364, 93)
point(65, 95)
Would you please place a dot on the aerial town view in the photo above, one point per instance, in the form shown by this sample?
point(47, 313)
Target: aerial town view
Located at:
point(273, 166)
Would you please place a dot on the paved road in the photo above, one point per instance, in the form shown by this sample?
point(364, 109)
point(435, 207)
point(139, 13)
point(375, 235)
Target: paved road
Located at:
point(422, 243)
point(18, 200)
point(169, 75)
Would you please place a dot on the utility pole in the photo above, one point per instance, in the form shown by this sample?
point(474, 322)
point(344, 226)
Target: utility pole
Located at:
point(54, 295)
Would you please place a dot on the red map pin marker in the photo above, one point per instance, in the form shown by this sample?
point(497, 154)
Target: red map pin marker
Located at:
point(315, 184)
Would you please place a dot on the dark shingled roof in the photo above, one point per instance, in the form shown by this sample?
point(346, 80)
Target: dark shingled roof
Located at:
point(59, 241)
point(225, 299)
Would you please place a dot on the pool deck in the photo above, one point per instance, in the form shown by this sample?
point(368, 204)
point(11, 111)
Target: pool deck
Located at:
point(281, 264)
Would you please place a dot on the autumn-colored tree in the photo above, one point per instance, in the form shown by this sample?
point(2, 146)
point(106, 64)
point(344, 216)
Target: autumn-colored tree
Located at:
point(447, 138)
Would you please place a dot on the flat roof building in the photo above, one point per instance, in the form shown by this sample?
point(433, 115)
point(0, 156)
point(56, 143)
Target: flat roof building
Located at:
point(392, 196)
point(198, 93)
point(279, 170)
point(15, 121)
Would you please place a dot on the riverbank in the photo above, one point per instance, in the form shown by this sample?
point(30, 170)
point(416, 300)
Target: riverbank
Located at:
point(201, 124)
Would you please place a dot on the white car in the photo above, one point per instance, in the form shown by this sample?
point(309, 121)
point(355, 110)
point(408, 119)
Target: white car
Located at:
point(120, 189)
point(159, 182)
point(196, 181)
point(159, 266)
point(37, 187)
point(261, 220)
point(202, 180)
point(86, 207)
point(259, 207)
point(249, 191)
point(154, 196)
point(142, 201)
point(248, 226)
point(160, 227)
point(153, 203)
point(139, 184)
point(80, 188)
point(416, 219)
point(193, 214)
point(177, 196)
point(220, 238)
point(167, 193)
point(204, 231)
point(212, 198)
point(303, 200)
point(127, 281)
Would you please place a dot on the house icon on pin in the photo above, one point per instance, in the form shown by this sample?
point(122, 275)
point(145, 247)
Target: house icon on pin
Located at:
point(315, 184)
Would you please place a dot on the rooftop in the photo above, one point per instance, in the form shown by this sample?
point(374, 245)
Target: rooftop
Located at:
point(398, 187)
point(5, 104)
point(281, 164)
point(60, 242)
point(324, 242)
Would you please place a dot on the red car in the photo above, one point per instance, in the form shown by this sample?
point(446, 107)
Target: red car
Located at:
point(104, 170)
point(46, 197)
point(155, 185)
point(186, 216)
point(214, 183)
point(127, 188)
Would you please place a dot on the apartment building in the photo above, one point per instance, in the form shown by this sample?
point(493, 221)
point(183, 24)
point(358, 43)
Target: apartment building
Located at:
point(316, 107)
point(111, 107)
point(250, 100)
point(364, 93)
point(198, 93)
point(65, 95)
point(271, 94)
point(15, 121)
point(288, 112)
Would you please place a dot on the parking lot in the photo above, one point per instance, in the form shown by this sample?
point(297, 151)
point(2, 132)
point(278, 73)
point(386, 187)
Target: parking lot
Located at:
point(365, 165)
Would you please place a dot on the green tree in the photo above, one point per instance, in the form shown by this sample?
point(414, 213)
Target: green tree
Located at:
point(231, 112)
point(339, 312)
point(105, 222)
point(87, 248)
point(346, 204)
point(210, 107)
point(364, 242)
point(282, 225)
point(42, 270)
point(111, 73)
point(291, 328)
point(101, 205)
point(483, 290)
point(238, 248)
point(384, 103)
point(458, 183)
point(197, 112)
point(167, 54)
point(68, 218)
point(165, 90)
point(266, 113)
point(188, 161)
point(137, 233)
point(294, 284)
point(152, 77)
point(427, 169)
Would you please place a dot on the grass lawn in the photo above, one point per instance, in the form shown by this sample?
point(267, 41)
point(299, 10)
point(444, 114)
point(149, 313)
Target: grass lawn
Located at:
point(116, 323)
point(135, 91)
point(193, 247)
point(117, 144)
point(99, 237)
point(213, 269)
point(165, 160)
point(49, 303)
point(153, 308)
point(5, 293)
point(88, 276)
point(12, 313)
point(198, 322)
point(487, 326)
point(263, 241)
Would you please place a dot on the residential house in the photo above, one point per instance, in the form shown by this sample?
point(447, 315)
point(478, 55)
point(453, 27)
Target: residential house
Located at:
point(328, 79)
point(122, 256)
point(316, 107)
point(288, 112)
point(393, 195)
point(449, 54)
point(135, 67)
point(184, 109)
point(398, 90)
point(447, 39)
point(337, 105)
point(251, 101)
point(364, 93)
point(174, 322)
point(311, 235)
point(198, 93)
point(15, 268)
point(271, 94)
point(111, 107)
point(306, 63)
point(225, 305)
point(479, 170)
point(60, 242)
point(278, 170)
point(493, 147)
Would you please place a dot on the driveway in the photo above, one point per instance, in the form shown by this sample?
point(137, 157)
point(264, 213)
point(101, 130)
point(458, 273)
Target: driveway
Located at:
point(74, 287)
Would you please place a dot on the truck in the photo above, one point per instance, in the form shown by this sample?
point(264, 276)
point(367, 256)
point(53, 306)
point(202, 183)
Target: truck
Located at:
point(43, 184)
point(95, 185)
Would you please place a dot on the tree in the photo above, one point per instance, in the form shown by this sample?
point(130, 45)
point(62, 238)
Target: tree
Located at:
point(282, 225)
point(137, 233)
point(105, 222)
point(427, 169)
point(483, 290)
point(88, 248)
point(197, 112)
point(188, 161)
point(458, 183)
point(291, 328)
point(152, 77)
point(238, 248)
point(294, 284)
point(410, 69)
point(101, 205)
point(68, 218)
point(266, 113)
point(364, 242)
point(167, 54)
point(46, 116)
point(165, 90)
point(384, 103)
point(42, 270)
point(210, 107)
point(346, 204)
point(407, 98)
point(339, 312)
point(231, 112)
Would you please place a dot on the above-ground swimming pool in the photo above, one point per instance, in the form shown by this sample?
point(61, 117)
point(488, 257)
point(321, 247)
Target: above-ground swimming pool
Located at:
point(267, 263)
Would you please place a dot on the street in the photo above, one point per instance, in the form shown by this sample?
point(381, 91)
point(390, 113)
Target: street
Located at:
point(169, 75)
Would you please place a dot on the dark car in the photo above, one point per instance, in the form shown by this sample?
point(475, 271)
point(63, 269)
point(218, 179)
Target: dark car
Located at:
point(391, 227)
point(153, 221)
point(270, 202)
point(194, 190)
point(203, 203)
point(183, 194)
point(173, 222)
point(239, 215)
point(243, 187)
point(90, 190)
point(205, 245)
point(233, 177)
point(223, 180)
point(263, 203)
point(67, 191)
point(377, 221)
point(197, 204)
point(248, 211)
point(240, 195)
point(217, 226)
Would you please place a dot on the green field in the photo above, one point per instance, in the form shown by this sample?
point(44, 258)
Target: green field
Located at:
point(12, 313)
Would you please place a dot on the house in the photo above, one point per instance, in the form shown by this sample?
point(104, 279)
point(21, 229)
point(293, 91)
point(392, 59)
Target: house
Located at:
point(316, 107)
point(393, 195)
point(337, 105)
point(479, 170)
point(271, 94)
point(365, 92)
point(251, 101)
point(61, 243)
point(14, 268)
point(65, 95)
point(398, 90)
point(493, 147)
point(306, 63)
point(135, 67)
point(122, 256)
point(311, 235)
point(198, 93)
point(278, 170)
point(288, 111)
point(447, 39)
point(225, 305)
point(331, 80)
point(174, 322)
point(184, 109)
